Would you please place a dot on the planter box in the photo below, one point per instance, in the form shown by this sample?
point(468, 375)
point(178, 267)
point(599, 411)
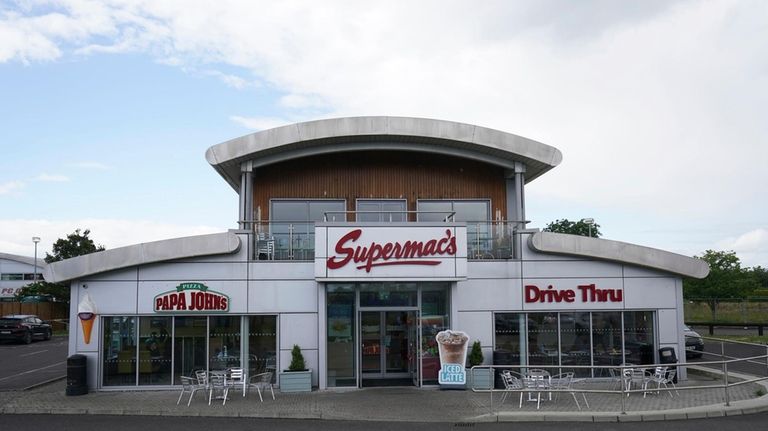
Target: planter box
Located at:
point(480, 378)
point(296, 381)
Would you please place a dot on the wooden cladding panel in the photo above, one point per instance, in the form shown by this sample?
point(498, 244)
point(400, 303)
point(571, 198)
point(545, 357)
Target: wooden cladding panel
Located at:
point(380, 175)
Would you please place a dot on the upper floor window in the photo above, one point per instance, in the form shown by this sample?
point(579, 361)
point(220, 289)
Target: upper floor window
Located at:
point(297, 210)
point(466, 210)
point(382, 210)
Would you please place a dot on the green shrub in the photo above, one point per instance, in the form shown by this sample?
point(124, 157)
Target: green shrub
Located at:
point(476, 355)
point(297, 359)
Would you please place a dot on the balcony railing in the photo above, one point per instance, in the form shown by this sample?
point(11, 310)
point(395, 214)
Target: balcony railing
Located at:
point(295, 240)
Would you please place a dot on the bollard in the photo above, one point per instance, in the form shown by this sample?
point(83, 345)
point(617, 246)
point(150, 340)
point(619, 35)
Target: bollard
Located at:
point(725, 373)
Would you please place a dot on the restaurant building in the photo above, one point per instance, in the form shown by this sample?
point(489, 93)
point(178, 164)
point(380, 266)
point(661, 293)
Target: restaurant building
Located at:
point(358, 239)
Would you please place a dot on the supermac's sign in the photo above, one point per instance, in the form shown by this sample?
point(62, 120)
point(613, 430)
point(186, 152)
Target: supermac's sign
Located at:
point(371, 252)
point(191, 297)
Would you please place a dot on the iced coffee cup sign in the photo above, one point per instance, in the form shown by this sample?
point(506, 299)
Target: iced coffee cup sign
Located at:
point(452, 346)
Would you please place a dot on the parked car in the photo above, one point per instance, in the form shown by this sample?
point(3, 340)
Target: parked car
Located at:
point(694, 345)
point(24, 328)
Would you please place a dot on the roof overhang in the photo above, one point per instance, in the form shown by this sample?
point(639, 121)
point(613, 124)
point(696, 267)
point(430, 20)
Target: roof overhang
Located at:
point(617, 251)
point(381, 133)
point(22, 259)
point(141, 254)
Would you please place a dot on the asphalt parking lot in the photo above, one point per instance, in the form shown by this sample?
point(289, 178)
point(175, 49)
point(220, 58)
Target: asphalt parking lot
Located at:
point(26, 365)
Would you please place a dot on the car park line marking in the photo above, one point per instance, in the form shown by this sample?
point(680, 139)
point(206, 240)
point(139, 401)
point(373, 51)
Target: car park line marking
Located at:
point(33, 353)
point(32, 371)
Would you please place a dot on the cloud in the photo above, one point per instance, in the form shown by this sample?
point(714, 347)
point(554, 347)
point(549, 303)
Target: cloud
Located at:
point(52, 178)
point(9, 187)
point(259, 123)
point(90, 165)
point(657, 106)
point(751, 247)
point(112, 233)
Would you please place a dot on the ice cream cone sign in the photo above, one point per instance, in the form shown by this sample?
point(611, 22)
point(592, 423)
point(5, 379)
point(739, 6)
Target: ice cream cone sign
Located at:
point(86, 312)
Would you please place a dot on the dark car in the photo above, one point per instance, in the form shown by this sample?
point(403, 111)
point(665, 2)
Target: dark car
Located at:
point(24, 328)
point(694, 345)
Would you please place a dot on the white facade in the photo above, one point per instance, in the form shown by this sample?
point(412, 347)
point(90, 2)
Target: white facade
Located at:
point(16, 272)
point(291, 291)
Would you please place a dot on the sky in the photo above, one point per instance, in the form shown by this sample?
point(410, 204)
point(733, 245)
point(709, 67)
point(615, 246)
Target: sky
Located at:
point(659, 107)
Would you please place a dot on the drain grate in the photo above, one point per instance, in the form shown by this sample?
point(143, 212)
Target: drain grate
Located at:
point(464, 424)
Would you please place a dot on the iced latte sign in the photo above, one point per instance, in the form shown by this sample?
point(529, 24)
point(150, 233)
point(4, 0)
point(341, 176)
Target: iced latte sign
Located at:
point(453, 355)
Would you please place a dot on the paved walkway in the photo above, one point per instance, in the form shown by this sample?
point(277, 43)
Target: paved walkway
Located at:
point(398, 404)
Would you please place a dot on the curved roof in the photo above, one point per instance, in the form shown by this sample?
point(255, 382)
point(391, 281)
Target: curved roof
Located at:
point(22, 259)
point(377, 133)
point(141, 254)
point(550, 242)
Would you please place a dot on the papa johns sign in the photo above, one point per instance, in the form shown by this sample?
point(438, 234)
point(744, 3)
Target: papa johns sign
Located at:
point(191, 297)
point(390, 253)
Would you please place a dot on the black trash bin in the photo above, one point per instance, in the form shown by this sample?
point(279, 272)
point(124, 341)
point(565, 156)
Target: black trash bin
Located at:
point(667, 356)
point(77, 375)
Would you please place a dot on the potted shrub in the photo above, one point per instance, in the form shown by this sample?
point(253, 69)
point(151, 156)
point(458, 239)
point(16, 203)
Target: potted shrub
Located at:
point(481, 377)
point(297, 378)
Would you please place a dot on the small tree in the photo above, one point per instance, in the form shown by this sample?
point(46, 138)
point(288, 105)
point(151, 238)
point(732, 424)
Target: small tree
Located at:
point(76, 244)
point(297, 359)
point(574, 228)
point(476, 355)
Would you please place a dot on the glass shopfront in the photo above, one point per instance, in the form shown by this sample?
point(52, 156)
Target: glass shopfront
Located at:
point(157, 350)
point(383, 333)
point(575, 338)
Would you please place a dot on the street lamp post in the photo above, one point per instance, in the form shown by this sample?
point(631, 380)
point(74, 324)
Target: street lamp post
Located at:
point(589, 222)
point(35, 239)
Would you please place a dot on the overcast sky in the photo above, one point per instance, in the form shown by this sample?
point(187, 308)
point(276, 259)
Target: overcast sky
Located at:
point(659, 107)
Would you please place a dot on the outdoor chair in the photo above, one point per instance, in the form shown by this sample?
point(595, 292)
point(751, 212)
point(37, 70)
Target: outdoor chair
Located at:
point(237, 379)
point(511, 384)
point(265, 246)
point(202, 378)
point(563, 383)
point(662, 377)
point(617, 378)
point(262, 381)
point(217, 382)
point(190, 385)
point(638, 378)
point(538, 381)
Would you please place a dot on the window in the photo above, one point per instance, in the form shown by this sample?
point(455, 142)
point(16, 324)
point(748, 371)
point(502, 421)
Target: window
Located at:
point(300, 210)
point(601, 339)
point(466, 210)
point(384, 210)
point(158, 350)
point(292, 225)
point(12, 277)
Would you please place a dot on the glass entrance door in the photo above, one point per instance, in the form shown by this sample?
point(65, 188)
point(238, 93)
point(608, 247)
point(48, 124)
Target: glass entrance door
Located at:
point(388, 345)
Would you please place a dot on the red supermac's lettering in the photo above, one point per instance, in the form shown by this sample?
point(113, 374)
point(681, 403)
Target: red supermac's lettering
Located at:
point(391, 253)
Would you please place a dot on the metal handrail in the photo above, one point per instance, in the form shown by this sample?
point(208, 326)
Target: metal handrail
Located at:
point(624, 392)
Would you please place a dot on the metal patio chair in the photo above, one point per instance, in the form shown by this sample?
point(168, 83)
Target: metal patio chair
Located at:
point(563, 383)
point(262, 381)
point(190, 385)
point(511, 384)
point(217, 382)
point(237, 379)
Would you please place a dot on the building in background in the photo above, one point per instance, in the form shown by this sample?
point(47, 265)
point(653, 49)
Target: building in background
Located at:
point(359, 239)
point(16, 272)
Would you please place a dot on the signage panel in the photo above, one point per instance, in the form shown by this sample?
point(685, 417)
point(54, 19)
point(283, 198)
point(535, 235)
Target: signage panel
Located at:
point(191, 298)
point(558, 294)
point(403, 252)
